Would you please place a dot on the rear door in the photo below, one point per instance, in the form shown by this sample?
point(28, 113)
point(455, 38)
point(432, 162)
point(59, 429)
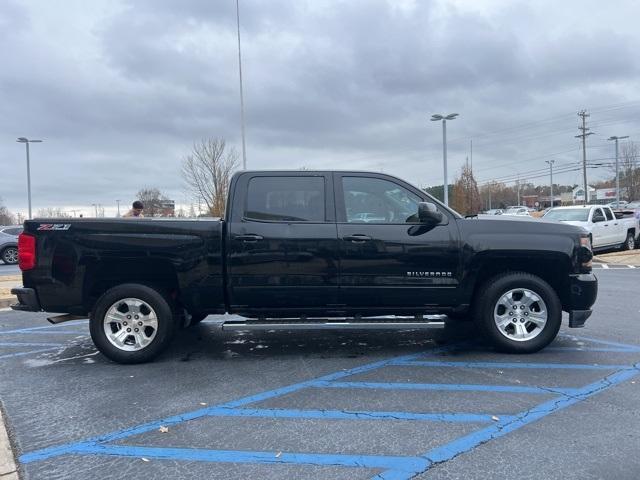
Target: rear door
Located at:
point(599, 231)
point(616, 233)
point(282, 242)
point(387, 258)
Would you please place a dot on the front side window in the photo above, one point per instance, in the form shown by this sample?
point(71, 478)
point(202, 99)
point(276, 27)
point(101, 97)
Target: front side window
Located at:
point(374, 200)
point(286, 199)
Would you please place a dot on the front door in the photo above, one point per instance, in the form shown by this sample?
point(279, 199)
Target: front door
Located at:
point(388, 259)
point(282, 243)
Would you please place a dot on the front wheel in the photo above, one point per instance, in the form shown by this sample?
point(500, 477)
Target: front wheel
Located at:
point(519, 313)
point(10, 255)
point(132, 323)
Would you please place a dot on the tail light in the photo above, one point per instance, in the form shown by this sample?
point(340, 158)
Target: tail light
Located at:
point(26, 251)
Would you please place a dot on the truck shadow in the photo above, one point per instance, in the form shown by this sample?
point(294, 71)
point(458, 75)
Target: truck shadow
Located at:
point(207, 340)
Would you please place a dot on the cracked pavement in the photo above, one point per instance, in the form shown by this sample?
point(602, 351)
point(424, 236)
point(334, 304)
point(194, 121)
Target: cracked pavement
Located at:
point(67, 393)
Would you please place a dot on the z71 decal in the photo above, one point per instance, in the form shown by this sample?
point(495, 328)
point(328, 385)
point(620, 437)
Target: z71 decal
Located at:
point(54, 226)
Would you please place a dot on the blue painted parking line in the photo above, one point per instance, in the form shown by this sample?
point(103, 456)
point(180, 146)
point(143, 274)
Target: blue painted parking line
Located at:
point(391, 467)
point(447, 387)
point(506, 365)
point(28, 352)
point(24, 344)
point(47, 328)
point(354, 415)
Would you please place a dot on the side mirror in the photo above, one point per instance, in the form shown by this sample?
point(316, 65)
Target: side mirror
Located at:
point(428, 213)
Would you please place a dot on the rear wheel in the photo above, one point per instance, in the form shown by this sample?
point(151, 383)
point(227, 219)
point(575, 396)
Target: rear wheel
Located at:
point(630, 242)
point(519, 312)
point(132, 323)
point(10, 255)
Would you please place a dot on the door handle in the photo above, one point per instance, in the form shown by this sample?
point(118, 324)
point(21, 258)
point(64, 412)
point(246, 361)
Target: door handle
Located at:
point(249, 238)
point(357, 238)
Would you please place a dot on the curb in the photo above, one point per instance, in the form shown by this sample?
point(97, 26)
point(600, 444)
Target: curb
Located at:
point(8, 469)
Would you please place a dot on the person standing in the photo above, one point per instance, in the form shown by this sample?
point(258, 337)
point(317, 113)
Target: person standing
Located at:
point(136, 210)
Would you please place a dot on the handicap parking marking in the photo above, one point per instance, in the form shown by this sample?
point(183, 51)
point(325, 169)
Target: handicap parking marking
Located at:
point(392, 467)
point(32, 348)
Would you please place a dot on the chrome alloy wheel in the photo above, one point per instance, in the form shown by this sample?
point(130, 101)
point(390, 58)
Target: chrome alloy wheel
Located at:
point(130, 324)
point(10, 255)
point(520, 314)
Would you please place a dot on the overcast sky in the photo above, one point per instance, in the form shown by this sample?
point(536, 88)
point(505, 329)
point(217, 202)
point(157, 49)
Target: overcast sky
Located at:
point(120, 90)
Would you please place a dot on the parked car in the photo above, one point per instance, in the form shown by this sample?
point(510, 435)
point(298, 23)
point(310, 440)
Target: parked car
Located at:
point(606, 228)
point(517, 211)
point(9, 244)
point(494, 211)
point(287, 256)
point(617, 205)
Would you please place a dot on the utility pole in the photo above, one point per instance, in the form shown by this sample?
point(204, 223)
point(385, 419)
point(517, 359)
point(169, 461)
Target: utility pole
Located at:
point(95, 205)
point(551, 162)
point(518, 185)
point(118, 202)
point(471, 153)
point(585, 133)
point(617, 175)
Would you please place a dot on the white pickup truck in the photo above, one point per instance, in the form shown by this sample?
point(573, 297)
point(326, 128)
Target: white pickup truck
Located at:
point(606, 229)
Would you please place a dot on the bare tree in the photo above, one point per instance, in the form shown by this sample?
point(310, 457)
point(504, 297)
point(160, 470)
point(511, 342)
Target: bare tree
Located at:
point(152, 199)
point(630, 169)
point(52, 212)
point(207, 172)
point(6, 217)
point(466, 198)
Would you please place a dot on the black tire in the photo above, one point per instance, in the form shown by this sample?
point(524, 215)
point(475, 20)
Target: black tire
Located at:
point(488, 298)
point(629, 243)
point(166, 323)
point(10, 255)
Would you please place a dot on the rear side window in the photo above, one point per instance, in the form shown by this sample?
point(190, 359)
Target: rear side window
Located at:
point(609, 213)
point(286, 199)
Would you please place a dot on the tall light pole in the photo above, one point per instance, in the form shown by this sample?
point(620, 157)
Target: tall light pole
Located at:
point(617, 175)
point(26, 141)
point(244, 146)
point(435, 118)
point(118, 202)
point(551, 162)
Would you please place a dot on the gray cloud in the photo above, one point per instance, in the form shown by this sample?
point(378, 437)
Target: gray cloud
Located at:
point(120, 91)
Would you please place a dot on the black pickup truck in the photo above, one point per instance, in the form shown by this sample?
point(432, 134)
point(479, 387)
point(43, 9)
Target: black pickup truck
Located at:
point(302, 249)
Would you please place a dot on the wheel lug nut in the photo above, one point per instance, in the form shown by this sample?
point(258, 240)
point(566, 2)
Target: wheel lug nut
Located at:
point(140, 323)
point(124, 323)
point(521, 307)
point(510, 313)
point(136, 330)
point(515, 307)
point(522, 320)
point(129, 317)
point(137, 317)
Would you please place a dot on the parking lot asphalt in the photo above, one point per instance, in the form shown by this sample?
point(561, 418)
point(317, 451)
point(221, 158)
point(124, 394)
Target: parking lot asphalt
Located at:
point(338, 405)
point(6, 270)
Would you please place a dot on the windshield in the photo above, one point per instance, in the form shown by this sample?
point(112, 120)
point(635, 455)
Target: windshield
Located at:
point(568, 215)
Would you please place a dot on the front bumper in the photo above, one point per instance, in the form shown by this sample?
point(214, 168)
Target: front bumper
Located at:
point(583, 293)
point(27, 300)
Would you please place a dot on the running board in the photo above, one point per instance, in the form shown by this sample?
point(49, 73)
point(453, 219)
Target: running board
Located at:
point(387, 324)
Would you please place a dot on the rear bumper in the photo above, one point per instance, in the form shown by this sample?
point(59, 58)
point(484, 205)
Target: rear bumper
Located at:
point(27, 300)
point(583, 293)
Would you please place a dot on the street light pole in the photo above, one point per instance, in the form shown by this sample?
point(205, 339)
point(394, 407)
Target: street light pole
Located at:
point(242, 125)
point(26, 141)
point(617, 175)
point(551, 162)
point(118, 202)
point(435, 118)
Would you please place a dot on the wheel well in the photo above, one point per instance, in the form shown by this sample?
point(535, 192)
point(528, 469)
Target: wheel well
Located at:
point(154, 273)
point(554, 272)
